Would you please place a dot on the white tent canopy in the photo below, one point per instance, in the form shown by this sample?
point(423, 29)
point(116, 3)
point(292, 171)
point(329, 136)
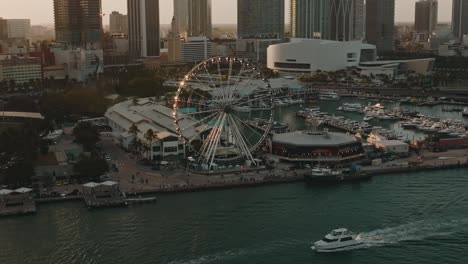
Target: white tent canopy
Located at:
point(109, 183)
point(23, 190)
point(5, 191)
point(91, 185)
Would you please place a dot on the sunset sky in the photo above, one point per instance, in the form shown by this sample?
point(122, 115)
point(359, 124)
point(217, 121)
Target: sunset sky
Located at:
point(224, 11)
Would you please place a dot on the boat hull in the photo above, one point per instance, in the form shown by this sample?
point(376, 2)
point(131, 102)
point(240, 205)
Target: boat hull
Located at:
point(337, 178)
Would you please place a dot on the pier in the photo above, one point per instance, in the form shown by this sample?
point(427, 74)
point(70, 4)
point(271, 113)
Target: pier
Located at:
point(106, 194)
point(16, 202)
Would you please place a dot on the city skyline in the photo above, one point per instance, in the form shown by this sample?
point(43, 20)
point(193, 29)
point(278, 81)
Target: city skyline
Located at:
point(224, 11)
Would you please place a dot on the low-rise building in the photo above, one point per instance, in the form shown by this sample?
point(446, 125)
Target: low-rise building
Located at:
point(147, 114)
point(255, 49)
point(20, 69)
point(397, 67)
point(196, 49)
point(319, 147)
point(392, 146)
point(80, 64)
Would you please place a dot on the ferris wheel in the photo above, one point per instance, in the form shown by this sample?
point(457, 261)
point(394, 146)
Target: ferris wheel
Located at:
point(223, 111)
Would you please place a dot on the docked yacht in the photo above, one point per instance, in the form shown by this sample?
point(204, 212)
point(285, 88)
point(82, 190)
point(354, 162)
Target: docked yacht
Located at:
point(327, 175)
point(465, 111)
point(329, 96)
point(338, 240)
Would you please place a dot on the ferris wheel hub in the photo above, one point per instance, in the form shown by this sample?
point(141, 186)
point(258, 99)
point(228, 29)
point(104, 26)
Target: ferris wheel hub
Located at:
point(228, 109)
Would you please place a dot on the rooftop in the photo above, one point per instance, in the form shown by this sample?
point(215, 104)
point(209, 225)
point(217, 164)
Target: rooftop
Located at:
point(308, 138)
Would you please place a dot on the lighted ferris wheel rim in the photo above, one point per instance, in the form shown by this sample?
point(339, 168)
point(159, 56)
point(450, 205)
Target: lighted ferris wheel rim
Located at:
point(222, 112)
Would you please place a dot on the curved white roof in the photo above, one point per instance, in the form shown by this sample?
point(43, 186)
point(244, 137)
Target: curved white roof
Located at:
point(311, 139)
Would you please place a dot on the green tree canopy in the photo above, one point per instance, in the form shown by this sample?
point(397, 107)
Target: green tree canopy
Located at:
point(86, 135)
point(91, 167)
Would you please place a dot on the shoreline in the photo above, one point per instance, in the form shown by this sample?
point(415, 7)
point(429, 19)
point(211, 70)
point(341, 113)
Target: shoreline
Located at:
point(253, 184)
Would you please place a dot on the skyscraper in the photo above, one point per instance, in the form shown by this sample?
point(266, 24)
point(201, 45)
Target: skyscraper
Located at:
point(309, 19)
point(460, 18)
point(425, 17)
point(78, 23)
point(118, 23)
point(3, 29)
point(199, 20)
point(380, 24)
point(260, 18)
point(143, 28)
point(194, 17)
point(174, 45)
point(181, 14)
point(346, 19)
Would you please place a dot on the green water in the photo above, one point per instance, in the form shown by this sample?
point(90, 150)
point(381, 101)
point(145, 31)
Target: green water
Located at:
point(407, 218)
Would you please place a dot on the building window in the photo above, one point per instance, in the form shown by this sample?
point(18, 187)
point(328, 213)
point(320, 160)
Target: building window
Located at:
point(170, 149)
point(156, 148)
point(181, 147)
point(304, 66)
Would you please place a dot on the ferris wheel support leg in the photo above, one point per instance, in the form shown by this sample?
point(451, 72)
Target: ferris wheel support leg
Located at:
point(208, 140)
point(215, 143)
point(241, 140)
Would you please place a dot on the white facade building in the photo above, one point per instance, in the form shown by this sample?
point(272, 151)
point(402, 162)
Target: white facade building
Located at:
point(310, 55)
point(147, 114)
point(20, 69)
point(80, 64)
point(19, 28)
point(196, 49)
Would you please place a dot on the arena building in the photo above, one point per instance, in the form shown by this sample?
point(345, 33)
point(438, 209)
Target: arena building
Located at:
point(317, 147)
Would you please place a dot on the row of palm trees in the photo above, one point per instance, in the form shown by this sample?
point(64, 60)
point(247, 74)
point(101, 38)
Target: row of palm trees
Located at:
point(150, 136)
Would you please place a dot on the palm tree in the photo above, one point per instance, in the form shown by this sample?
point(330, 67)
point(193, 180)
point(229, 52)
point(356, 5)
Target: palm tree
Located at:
point(139, 147)
point(149, 136)
point(134, 131)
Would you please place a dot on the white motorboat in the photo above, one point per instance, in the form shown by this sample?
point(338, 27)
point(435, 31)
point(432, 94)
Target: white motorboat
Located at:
point(465, 111)
point(368, 118)
point(329, 96)
point(280, 103)
point(338, 240)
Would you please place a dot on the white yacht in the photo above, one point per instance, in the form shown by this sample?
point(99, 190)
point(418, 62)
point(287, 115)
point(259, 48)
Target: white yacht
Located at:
point(465, 111)
point(329, 96)
point(338, 240)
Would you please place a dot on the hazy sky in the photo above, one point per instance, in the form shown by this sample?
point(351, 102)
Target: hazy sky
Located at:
point(224, 11)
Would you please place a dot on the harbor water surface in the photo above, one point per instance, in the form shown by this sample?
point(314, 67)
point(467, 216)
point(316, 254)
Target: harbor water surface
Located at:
point(405, 218)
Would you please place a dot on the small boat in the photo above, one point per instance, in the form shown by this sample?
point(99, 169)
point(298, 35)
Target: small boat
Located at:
point(279, 103)
point(338, 240)
point(368, 118)
point(329, 96)
point(141, 200)
point(326, 175)
point(465, 111)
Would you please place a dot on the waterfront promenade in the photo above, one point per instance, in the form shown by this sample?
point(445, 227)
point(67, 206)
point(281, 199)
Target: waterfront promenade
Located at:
point(137, 179)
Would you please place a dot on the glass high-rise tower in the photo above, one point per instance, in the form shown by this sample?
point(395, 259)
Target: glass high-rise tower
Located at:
point(143, 28)
point(460, 18)
point(309, 18)
point(380, 24)
point(193, 17)
point(260, 18)
point(78, 23)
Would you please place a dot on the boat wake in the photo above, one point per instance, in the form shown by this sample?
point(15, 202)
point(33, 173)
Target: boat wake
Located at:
point(414, 231)
point(223, 256)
